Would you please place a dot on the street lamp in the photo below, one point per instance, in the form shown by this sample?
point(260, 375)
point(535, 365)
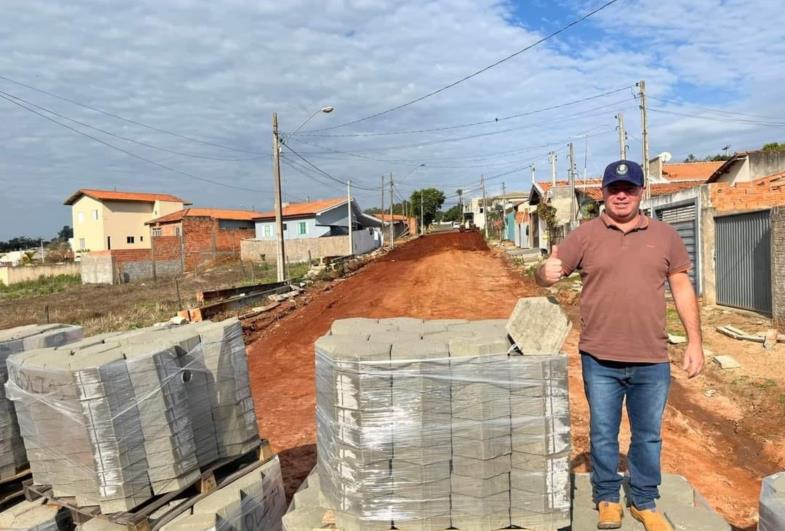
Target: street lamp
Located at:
point(280, 254)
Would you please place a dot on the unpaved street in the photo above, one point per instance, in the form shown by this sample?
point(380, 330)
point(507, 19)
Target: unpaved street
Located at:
point(454, 275)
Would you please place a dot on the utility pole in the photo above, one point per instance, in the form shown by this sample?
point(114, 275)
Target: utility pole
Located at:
point(504, 212)
point(349, 218)
point(534, 174)
point(381, 216)
point(622, 136)
point(280, 254)
point(644, 124)
point(552, 159)
point(392, 225)
point(484, 207)
point(422, 215)
point(573, 213)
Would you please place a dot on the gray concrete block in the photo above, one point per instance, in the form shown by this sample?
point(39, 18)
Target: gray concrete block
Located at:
point(423, 455)
point(403, 323)
point(480, 487)
point(476, 506)
point(353, 325)
point(480, 430)
point(479, 411)
point(481, 468)
point(538, 326)
point(481, 523)
point(481, 449)
point(418, 350)
point(405, 472)
point(346, 348)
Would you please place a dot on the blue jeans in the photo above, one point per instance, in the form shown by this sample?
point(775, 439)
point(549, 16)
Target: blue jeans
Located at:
point(646, 386)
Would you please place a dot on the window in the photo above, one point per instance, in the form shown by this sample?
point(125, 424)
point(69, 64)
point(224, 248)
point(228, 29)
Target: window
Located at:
point(95, 215)
point(177, 231)
point(268, 231)
point(302, 228)
point(80, 217)
point(157, 231)
point(81, 244)
point(141, 238)
point(129, 239)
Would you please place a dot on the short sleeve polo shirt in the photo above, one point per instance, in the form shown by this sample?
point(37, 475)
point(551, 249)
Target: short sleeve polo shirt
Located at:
point(623, 295)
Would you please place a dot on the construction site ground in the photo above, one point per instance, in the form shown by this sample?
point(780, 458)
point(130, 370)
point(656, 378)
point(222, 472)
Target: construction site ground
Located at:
point(723, 431)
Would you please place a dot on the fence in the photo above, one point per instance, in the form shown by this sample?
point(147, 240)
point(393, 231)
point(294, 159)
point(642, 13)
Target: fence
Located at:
point(14, 275)
point(300, 250)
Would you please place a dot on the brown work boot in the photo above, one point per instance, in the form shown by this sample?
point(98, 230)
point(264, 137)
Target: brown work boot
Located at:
point(651, 519)
point(610, 515)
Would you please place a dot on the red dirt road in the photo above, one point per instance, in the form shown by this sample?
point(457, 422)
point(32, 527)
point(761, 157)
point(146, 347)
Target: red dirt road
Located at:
point(454, 275)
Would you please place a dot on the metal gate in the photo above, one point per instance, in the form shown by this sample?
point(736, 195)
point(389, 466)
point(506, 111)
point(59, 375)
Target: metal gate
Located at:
point(743, 261)
point(683, 218)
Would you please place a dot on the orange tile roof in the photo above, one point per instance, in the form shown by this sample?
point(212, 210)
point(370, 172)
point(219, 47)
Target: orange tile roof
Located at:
point(694, 171)
point(114, 195)
point(387, 217)
point(656, 189)
point(215, 213)
point(295, 210)
point(579, 183)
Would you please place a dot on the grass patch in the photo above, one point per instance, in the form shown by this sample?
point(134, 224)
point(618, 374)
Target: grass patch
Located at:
point(42, 286)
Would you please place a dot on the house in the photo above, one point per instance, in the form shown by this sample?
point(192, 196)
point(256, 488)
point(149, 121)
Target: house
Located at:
point(749, 166)
point(474, 212)
point(108, 219)
point(201, 235)
point(314, 229)
point(401, 224)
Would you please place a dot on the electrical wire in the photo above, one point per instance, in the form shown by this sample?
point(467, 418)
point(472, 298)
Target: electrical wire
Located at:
point(127, 139)
point(717, 118)
point(473, 74)
point(131, 121)
point(129, 153)
point(321, 171)
point(711, 109)
point(470, 124)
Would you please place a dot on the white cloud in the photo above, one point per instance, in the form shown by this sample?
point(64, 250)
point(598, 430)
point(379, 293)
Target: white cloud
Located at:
point(219, 70)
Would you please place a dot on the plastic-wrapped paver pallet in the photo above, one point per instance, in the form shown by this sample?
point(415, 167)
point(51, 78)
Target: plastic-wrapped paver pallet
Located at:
point(772, 503)
point(116, 419)
point(444, 424)
point(12, 450)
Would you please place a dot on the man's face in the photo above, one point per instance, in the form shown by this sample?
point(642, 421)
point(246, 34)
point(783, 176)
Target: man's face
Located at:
point(622, 200)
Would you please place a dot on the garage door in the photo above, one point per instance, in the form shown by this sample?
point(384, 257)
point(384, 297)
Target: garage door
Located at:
point(743, 261)
point(683, 218)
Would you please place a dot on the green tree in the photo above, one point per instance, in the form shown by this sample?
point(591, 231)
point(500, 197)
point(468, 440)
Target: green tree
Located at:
point(774, 146)
point(432, 200)
point(65, 233)
point(452, 214)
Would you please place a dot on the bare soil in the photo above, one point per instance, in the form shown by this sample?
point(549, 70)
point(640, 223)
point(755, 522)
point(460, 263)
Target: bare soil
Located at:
point(722, 430)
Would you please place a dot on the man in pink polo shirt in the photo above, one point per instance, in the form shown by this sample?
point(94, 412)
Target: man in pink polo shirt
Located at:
point(624, 259)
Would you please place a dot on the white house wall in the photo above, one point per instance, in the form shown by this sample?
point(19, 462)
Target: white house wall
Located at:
point(291, 230)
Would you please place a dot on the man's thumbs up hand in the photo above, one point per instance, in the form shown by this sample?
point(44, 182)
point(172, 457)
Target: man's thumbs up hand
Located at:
point(552, 269)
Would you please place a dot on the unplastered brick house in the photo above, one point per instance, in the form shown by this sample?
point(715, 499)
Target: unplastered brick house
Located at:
point(105, 220)
point(201, 235)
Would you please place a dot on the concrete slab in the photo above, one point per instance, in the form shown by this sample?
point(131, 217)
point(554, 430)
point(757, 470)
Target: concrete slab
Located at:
point(538, 326)
point(726, 362)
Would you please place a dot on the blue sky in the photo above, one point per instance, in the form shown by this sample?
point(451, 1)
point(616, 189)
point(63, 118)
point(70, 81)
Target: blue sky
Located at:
point(198, 82)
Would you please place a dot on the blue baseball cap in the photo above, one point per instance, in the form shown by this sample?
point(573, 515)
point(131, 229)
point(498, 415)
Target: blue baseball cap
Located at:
point(623, 171)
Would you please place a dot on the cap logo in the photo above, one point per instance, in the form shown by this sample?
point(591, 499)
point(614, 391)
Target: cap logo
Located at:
point(622, 169)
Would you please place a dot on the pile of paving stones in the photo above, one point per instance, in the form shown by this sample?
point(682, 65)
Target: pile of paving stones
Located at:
point(12, 341)
point(443, 423)
point(112, 420)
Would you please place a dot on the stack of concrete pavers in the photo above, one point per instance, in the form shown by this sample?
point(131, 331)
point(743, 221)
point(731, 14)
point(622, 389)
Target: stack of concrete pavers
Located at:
point(681, 505)
point(35, 516)
point(438, 424)
point(772, 503)
point(12, 341)
point(114, 420)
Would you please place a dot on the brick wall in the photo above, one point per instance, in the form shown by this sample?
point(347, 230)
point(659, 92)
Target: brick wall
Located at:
point(745, 196)
point(778, 267)
point(296, 250)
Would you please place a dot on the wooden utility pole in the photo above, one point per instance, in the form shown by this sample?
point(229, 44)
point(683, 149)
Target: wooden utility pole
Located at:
point(504, 212)
point(280, 253)
point(484, 207)
point(349, 214)
point(392, 225)
point(381, 216)
point(645, 127)
point(573, 213)
point(622, 136)
point(422, 215)
point(552, 159)
point(534, 174)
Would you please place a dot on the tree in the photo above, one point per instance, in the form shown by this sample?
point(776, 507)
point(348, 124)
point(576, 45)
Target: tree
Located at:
point(432, 200)
point(452, 214)
point(774, 146)
point(65, 233)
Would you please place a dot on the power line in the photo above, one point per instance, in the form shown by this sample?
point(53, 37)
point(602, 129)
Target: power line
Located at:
point(125, 138)
point(719, 119)
point(131, 121)
point(321, 171)
point(711, 109)
point(471, 124)
point(474, 74)
point(129, 153)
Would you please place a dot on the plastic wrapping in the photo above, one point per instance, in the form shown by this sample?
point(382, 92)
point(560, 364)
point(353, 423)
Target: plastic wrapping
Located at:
point(438, 424)
point(12, 341)
point(254, 502)
point(772, 503)
point(115, 419)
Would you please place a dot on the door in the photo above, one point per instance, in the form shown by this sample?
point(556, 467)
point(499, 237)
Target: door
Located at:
point(683, 218)
point(743, 261)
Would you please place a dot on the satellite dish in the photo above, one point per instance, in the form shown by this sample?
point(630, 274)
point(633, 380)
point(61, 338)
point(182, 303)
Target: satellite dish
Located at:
point(665, 156)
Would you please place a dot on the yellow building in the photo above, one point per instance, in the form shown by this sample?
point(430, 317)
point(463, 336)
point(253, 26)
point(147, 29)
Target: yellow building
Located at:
point(107, 219)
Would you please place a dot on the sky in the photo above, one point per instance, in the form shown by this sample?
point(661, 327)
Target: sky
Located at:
point(178, 96)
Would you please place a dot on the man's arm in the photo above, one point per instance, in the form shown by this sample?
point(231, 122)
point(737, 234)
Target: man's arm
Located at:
point(689, 313)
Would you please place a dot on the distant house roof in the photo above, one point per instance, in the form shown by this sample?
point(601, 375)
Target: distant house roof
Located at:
point(690, 171)
point(114, 195)
point(215, 213)
point(387, 217)
point(656, 189)
point(299, 210)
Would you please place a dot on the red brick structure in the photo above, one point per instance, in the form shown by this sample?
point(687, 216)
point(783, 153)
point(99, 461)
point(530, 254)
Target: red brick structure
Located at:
point(759, 194)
